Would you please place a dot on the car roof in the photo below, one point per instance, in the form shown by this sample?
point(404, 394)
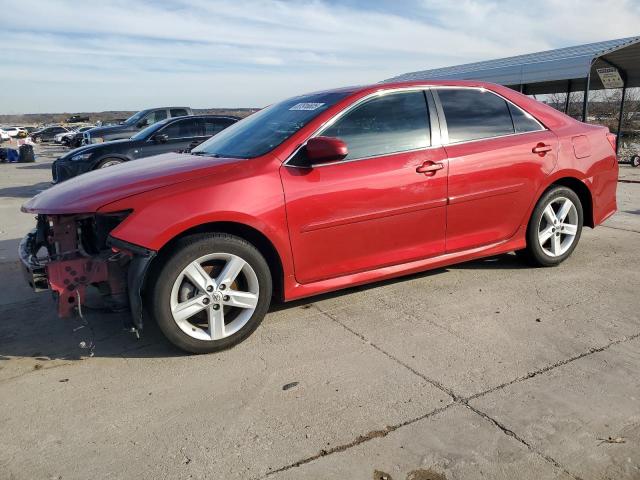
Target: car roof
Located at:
point(173, 119)
point(548, 116)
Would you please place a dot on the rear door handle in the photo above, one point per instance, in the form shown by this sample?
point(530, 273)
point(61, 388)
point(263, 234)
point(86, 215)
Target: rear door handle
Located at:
point(429, 168)
point(541, 148)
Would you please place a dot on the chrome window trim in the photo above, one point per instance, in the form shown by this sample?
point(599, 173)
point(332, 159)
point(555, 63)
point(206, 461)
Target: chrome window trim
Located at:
point(442, 124)
point(509, 102)
point(340, 114)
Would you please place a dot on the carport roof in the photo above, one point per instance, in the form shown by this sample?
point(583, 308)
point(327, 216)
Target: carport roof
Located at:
point(549, 71)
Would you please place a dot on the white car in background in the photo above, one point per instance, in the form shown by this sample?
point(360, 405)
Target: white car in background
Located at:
point(60, 136)
point(4, 135)
point(65, 137)
point(13, 131)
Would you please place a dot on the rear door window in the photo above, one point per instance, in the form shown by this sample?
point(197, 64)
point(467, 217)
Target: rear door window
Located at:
point(215, 125)
point(474, 114)
point(187, 128)
point(391, 123)
point(178, 112)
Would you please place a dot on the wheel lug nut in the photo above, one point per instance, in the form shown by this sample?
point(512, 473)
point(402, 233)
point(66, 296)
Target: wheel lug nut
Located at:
point(216, 306)
point(225, 298)
point(205, 301)
point(222, 287)
point(209, 288)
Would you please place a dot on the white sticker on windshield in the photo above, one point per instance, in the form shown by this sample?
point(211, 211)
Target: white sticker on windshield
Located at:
point(306, 106)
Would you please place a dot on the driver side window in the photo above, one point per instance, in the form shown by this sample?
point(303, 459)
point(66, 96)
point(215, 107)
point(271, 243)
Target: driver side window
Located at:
point(391, 123)
point(155, 117)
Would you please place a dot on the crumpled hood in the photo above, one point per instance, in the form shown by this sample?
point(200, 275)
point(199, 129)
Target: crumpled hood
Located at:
point(87, 193)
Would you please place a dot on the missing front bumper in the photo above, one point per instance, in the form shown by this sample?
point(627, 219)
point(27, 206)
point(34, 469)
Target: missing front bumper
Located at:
point(67, 270)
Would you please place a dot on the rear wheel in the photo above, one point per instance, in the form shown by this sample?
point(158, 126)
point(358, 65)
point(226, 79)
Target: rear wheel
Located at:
point(555, 227)
point(211, 293)
point(635, 161)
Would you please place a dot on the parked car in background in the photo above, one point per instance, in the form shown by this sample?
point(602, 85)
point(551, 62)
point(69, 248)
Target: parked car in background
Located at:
point(321, 192)
point(64, 137)
point(47, 134)
point(12, 131)
point(170, 135)
point(133, 124)
point(77, 119)
point(74, 140)
point(4, 136)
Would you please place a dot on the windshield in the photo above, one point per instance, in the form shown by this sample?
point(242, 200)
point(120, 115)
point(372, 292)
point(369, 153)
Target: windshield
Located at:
point(146, 132)
point(135, 117)
point(265, 130)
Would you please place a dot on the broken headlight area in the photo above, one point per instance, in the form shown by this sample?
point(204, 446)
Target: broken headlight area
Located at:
point(69, 253)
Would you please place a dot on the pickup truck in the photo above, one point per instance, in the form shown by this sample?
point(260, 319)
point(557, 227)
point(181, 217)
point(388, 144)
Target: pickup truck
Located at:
point(133, 124)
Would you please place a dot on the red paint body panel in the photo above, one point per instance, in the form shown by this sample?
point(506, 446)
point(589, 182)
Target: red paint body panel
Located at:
point(339, 225)
point(491, 184)
point(342, 217)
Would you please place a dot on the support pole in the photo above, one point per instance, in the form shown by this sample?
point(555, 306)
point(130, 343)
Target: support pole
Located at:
point(585, 101)
point(624, 94)
point(566, 102)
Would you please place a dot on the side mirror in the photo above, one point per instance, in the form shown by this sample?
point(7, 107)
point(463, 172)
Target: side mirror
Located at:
point(160, 138)
point(326, 149)
point(142, 123)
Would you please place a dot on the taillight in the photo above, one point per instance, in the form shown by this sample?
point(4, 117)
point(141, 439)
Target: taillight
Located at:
point(612, 140)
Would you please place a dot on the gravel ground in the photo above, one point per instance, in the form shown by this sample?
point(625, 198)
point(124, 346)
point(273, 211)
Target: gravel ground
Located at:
point(487, 369)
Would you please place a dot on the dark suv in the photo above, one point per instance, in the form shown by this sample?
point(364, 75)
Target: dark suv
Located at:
point(133, 124)
point(170, 135)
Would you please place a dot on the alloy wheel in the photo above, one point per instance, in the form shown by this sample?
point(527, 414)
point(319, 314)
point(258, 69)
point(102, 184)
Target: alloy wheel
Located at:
point(558, 227)
point(214, 296)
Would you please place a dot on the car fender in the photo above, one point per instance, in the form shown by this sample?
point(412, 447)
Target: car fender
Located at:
point(163, 214)
point(555, 177)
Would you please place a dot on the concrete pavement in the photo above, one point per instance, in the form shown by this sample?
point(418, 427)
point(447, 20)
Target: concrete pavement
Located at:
point(487, 369)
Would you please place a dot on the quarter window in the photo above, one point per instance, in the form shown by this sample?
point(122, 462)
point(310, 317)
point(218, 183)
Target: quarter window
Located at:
point(522, 121)
point(392, 123)
point(474, 114)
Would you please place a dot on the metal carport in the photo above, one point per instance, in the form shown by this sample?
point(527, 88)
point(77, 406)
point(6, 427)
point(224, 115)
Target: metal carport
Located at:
point(563, 70)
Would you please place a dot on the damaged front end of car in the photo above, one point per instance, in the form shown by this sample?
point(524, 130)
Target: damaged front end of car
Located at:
point(67, 254)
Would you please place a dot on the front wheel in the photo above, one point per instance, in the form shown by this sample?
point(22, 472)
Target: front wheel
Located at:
point(635, 161)
point(109, 162)
point(555, 227)
point(211, 293)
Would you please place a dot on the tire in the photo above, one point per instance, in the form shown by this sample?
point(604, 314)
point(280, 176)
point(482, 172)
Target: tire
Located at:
point(37, 140)
point(635, 161)
point(173, 288)
point(563, 235)
point(109, 162)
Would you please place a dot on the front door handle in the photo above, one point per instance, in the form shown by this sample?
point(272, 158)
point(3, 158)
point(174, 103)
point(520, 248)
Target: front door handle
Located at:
point(429, 168)
point(541, 148)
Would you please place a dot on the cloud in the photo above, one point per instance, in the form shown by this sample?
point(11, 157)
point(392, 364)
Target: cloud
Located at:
point(61, 55)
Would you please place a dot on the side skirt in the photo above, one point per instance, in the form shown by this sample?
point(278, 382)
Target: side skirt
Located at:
point(294, 290)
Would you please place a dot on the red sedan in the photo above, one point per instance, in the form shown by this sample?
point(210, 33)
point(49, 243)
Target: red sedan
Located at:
point(317, 193)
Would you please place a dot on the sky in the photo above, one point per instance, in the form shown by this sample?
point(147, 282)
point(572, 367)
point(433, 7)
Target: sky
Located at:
point(74, 56)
